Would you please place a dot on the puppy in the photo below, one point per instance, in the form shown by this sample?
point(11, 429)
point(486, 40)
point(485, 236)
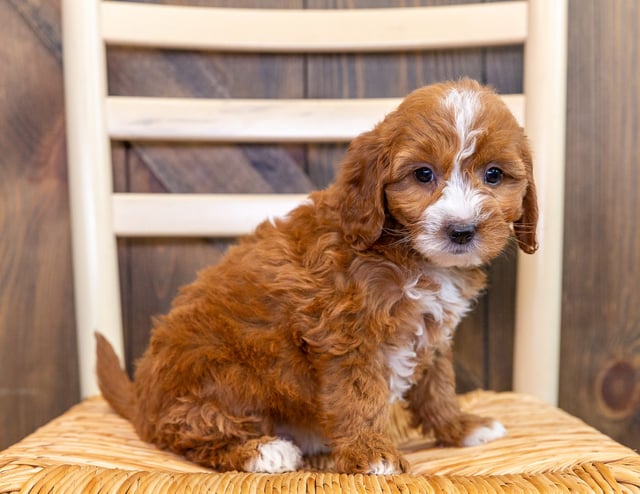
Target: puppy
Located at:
point(300, 338)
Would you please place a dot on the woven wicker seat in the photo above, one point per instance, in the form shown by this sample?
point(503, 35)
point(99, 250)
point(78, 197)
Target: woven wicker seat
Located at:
point(91, 449)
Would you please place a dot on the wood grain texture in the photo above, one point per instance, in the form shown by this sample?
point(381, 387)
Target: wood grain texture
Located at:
point(38, 369)
point(600, 377)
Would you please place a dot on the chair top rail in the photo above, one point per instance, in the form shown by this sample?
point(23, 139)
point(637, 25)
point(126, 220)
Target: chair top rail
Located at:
point(314, 30)
point(253, 120)
point(201, 215)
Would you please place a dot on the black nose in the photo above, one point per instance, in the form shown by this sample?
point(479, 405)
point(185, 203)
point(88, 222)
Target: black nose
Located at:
point(461, 234)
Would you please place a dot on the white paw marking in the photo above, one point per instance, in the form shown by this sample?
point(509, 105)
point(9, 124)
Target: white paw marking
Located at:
point(382, 468)
point(276, 456)
point(485, 434)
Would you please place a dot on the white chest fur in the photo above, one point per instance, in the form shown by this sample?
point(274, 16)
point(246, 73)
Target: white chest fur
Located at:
point(443, 306)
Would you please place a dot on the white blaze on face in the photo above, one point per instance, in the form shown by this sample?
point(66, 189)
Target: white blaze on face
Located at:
point(464, 104)
point(459, 203)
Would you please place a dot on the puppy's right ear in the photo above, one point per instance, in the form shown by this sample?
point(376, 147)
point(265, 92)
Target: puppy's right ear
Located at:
point(360, 183)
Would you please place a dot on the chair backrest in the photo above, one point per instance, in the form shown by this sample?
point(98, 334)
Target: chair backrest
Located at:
point(94, 118)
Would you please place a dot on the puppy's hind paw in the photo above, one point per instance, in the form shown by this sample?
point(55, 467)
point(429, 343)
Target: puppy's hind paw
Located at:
point(276, 456)
point(484, 434)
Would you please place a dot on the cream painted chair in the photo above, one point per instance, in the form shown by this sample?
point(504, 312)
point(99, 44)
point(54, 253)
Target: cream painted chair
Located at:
point(90, 447)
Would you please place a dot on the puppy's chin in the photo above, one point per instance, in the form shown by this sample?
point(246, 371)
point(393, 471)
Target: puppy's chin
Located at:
point(444, 253)
point(461, 258)
point(454, 260)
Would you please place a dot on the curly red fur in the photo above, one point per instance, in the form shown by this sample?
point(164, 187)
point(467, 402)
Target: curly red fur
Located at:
point(311, 326)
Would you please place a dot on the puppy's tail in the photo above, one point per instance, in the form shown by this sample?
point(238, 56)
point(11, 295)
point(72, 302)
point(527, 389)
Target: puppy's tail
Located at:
point(113, 381)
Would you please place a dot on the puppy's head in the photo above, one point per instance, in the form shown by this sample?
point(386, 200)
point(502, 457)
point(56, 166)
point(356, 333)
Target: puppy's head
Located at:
point(451, 168)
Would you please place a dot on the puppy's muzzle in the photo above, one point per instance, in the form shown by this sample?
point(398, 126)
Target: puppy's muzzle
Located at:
point(461, 234)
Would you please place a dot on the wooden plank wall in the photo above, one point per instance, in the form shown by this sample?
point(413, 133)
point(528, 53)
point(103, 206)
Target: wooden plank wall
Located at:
point(38, 375)
point(38, 371)
point(600, 376)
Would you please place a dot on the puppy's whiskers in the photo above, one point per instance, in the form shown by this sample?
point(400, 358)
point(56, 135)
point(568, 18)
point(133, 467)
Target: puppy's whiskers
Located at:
point(400, 236)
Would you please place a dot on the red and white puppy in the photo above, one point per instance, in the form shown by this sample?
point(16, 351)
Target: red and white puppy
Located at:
point(300, 338)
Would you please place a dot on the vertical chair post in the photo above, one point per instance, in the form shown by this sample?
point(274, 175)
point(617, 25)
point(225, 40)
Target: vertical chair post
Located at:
point(539, 288)
point(95, 261)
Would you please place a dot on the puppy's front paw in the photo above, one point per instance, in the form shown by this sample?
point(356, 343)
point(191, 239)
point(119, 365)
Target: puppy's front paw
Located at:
point(376, 458)
point(470, 430)
point(484, 434)
point(276, 456)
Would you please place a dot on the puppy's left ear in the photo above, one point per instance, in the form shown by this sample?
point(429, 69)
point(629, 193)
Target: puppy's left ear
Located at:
point(525, 227)
point(360, 184)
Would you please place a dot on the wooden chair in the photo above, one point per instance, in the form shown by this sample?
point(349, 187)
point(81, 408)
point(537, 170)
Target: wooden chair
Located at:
point(89, 447)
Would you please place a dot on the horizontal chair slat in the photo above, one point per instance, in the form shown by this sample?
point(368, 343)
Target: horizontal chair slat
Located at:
point(249, 120)
point(314, 30)
point(252, 120)
point(201, 215)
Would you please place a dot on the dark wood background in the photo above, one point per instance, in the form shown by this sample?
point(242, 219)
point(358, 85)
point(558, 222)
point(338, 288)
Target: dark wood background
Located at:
point(600, 377)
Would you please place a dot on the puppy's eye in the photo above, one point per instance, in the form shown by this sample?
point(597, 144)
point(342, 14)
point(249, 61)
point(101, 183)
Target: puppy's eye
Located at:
point(424, 175)
point(493, 175)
